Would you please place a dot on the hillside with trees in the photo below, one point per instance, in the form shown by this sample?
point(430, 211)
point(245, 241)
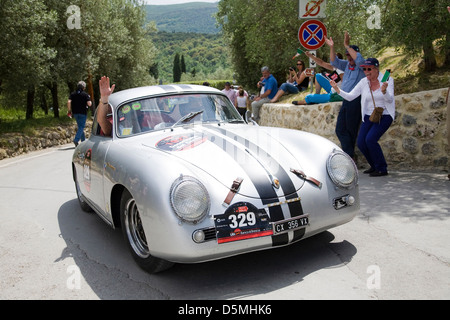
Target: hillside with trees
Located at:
point(188, 31)
point(194, 17)
point(206, 56)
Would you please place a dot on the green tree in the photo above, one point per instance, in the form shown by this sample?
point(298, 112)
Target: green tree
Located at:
point(25, 59)
point(67, 65)
point(260, 33)
point(368, 39)
point(130, 54)
point(415, 25)
point(56, 42)
point(183, 64)
point(154, 70)
point(194, 47)
point(418, 26)
point(176, 68)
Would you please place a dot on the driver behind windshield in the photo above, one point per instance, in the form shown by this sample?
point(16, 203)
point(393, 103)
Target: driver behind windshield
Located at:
point(192, 106)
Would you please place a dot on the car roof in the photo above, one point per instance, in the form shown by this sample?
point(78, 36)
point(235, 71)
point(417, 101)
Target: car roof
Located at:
point(143, 92)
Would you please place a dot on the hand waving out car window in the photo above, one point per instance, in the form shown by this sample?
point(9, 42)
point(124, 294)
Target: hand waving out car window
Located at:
point(102, 114)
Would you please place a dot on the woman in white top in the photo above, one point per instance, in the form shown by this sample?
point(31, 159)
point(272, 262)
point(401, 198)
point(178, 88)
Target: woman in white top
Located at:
point(241, 102)
point(370, 133)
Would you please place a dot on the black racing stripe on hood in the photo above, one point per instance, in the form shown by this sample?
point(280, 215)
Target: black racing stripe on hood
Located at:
point(295, 208)
point(260, 181)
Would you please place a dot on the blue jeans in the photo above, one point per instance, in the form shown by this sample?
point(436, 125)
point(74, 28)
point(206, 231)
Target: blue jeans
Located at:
point(320, 98)
point(347, 125)
point(317, 98)
point(323, 82)
point(290, 88)
point(81, 123)
point(368, 138)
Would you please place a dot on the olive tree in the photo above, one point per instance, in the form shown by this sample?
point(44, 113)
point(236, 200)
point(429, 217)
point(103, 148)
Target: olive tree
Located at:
point(25, 59)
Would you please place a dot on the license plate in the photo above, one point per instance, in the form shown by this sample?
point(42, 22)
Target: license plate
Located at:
point(290, 224)
point(242, 221)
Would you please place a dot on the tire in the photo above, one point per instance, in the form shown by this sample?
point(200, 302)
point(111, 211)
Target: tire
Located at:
point(81, 200)
point(135, 237)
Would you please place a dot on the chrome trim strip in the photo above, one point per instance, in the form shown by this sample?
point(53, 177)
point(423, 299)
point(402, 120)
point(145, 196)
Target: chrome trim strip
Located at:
point(270, 205)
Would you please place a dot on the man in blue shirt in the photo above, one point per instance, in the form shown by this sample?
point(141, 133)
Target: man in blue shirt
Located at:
point(269, 89)
point(349, 118)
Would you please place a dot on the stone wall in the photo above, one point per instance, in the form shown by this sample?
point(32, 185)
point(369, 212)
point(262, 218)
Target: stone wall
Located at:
point(14, 144)
point(416, 140)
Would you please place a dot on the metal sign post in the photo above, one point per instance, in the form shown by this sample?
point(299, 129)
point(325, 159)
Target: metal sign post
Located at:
point(312, 32)
point(312, 63)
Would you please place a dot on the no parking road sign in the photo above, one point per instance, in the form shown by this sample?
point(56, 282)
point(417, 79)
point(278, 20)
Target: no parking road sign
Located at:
point(312, 34)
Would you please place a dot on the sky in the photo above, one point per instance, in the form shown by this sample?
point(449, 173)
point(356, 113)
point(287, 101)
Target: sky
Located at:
point(166, 2)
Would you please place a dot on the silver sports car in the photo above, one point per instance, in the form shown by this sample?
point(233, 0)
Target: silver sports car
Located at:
point(188, 180)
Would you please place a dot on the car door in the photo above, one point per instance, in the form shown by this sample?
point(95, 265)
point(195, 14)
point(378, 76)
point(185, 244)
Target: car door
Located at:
point(92, 156)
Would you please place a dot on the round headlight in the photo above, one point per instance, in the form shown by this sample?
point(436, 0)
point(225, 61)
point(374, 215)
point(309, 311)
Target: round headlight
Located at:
point(342, 170)
point(189, 199)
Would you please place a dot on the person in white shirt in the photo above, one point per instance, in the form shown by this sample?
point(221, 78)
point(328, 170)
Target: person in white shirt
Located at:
point(373, 92)
point(241, 102)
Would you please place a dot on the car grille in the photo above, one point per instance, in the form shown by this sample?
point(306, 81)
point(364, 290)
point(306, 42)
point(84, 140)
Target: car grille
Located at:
point(210, 234)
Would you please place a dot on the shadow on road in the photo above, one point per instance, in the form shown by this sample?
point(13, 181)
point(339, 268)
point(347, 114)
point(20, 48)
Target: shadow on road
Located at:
point(412, 195)
point(109, 270)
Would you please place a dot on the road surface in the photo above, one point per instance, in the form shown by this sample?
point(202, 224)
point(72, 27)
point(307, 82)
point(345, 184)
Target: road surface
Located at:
point(397, 248)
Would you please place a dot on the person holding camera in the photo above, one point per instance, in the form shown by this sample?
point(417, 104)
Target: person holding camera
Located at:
point(270, 85)
point(298, 81)
point(323, 81)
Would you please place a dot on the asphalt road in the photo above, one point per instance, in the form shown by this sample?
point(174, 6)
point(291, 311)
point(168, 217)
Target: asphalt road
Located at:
point(397, 248)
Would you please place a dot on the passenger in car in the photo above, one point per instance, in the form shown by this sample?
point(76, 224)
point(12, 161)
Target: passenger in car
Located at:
point(104, 109)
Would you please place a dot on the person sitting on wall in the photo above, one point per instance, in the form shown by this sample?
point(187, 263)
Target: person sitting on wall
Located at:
point(270, 85)
point(298, 81)
point(323, 81)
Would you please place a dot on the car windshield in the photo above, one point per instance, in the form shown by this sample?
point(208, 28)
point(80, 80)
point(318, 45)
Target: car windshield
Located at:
point(158, 113)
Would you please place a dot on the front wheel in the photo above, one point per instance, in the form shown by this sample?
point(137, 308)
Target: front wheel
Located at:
point(134, 234)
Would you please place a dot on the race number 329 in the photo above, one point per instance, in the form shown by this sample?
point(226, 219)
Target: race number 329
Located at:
point(241, 220)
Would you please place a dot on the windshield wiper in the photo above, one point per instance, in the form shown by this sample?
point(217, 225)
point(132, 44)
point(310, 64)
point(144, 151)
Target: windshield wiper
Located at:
point(187, 118)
